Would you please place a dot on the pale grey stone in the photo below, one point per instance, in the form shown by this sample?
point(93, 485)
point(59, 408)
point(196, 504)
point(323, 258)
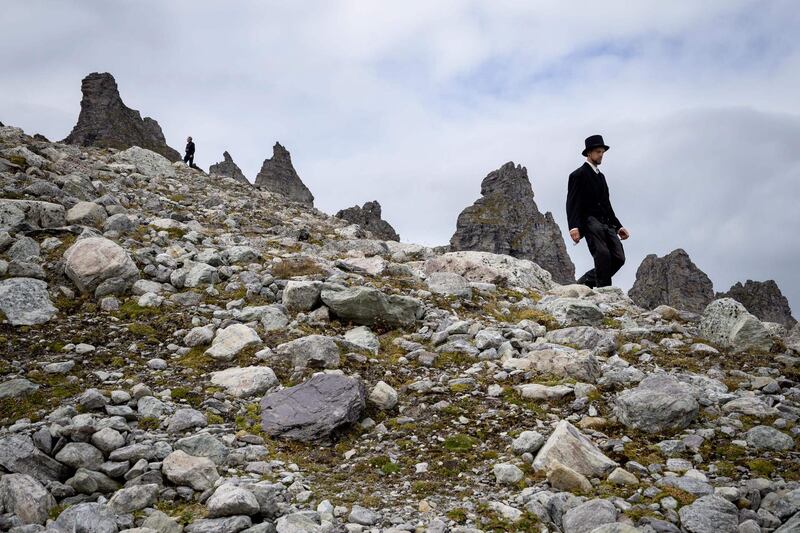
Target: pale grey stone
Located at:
point(573, 449)
point(243, 382)
point(94, 261)
point(133, 498)
point(184, 469)
point(709, 514)
point(25, 301)
point(727, 323)
point(24, 496)
point(230, 500)
point(311, 351)
point(231, 340)
point(659, 404)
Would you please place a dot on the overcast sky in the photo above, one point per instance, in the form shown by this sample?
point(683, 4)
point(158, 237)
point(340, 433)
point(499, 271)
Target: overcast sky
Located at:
point(413, 103)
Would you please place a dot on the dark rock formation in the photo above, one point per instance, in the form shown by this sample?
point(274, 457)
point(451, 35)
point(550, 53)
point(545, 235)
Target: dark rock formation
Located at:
point(228, 168)
point(369, 218)
point(764, 299)
point(278, 175)
point(671, 280)
point(505, 220)
point(105, 121)
point(312, 410)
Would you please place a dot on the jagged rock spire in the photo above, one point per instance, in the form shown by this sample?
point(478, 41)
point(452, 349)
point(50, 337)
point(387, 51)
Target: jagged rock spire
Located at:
point(228, 168)
point(105, 121)
point(672, 280)
point(369, 218)
point(506, 220)
point(278, 175)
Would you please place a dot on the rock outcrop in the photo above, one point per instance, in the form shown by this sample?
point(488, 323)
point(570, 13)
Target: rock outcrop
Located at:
point(506, 220)
point(278, 175)
point(369, 218)
point(764, 299)
point(228, 168)
point(105, 121)
point(672, 280)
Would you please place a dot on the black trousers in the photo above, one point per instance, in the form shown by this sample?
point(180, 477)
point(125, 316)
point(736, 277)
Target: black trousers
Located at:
point(189, 158)
point(607, 251)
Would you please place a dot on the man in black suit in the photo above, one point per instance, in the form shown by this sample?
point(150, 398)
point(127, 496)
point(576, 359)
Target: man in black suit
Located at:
point(189, 156)
point(590, 215)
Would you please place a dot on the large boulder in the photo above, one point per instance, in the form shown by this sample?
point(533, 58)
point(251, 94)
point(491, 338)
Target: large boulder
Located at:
point(311, 351)
point(19, 455)
point(87, 214)
point(25, 301)
point(572, 311)
point(105, 121)
point(506, 220)
point(25, 497)
point(763, 299)
point(231, 340)
point(486, 267)
point(568, 446)
point(246, 381)
point(660, 403)
point(580, 365)
point(588, 516)
point(313, 409)
point(710, 514)
point(85, 518)
point(727, 323)
point(369, 218)
point(672, 280)
point(278, 175)
point(368, 306)
point(228, 168)
point(100, 266)
point(146, 162)
point(200, 473)
point(18, 213)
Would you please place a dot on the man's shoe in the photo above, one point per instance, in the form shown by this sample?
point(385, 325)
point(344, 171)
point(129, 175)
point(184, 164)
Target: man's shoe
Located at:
point(587, 280)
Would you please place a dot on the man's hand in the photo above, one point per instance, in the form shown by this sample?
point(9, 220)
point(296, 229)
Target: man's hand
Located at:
point(623, 233)
point(575, 235)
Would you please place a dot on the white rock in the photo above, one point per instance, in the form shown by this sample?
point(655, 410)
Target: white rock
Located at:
point(243, 382)
point(231, 340)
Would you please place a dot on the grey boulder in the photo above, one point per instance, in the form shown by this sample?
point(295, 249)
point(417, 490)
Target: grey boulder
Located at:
point(25, 497)
point(100, 266)
point(19, 455)
point(710, 514)
point(660, 403)
point(369, 306)
point(25, 302)
point(313, 409)
point(728, 324)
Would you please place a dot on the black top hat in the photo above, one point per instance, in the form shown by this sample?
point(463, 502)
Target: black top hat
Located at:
point(594, 141)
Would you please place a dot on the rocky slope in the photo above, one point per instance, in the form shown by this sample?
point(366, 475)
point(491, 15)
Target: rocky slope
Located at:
point(105, 121)
point(369, 217)
point(506, 220)
point(671, 280)
point(764, 299)
point(278, 175)
point(174, 360)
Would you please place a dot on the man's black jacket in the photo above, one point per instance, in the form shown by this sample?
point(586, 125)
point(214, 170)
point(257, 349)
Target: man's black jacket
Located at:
point(587, 195)
point(190, 148)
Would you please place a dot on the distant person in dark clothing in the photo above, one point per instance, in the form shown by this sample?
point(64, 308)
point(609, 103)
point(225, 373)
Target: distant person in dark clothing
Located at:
point(189, 157)
point(590, 215)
